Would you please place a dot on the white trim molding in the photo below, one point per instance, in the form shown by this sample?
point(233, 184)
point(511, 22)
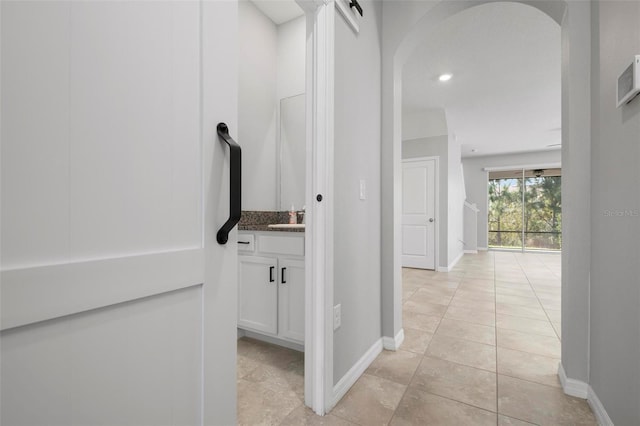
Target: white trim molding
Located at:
point(471, 252)
point(393, 343)
point(598, 409)
point(452, 264)
point(483, 248)
point(354, 373)
point(580, 389)
point(43, 293)
point(572, 387)
point(320, 16)
point(271, 339)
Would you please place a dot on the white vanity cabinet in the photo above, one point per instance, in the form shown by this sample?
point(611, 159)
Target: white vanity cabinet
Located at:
point(258, 294)
point(291, 299)
point(271, 283)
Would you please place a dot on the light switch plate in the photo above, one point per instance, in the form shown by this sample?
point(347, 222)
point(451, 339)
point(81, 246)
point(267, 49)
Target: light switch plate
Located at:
point(363, 189)
point(337, 316)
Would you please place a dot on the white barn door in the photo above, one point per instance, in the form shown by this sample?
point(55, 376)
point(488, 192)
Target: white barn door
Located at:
point(118, 305)
point(418, 214)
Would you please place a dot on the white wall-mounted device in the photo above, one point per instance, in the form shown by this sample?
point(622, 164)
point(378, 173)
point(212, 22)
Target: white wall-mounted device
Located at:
point(629, 82)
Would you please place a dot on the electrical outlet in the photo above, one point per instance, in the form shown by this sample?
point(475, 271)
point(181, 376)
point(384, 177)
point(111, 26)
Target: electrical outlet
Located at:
point(337, 316)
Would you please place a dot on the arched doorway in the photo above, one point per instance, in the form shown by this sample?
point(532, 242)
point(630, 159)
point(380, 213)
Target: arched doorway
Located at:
point(574, 19)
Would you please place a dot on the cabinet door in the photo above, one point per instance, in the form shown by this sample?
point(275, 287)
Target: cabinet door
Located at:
point(258, 294)
point(291, 296)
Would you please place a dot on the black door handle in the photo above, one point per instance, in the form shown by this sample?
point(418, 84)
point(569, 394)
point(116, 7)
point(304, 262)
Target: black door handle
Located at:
point(271, 269)
point(283, 281)
point(235, 184)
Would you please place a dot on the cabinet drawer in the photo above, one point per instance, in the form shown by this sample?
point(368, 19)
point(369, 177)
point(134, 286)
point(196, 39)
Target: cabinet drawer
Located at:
point(246, 242)
point(280, 244)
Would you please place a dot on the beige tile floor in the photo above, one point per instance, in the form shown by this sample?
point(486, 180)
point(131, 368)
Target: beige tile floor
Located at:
point(482, 346)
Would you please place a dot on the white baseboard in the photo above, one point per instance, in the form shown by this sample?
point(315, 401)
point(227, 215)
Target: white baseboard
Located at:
point(393, 343)
point(273, 340)
point(471, 252)
point(452, 264)
point(598, 409)
point(455, 261)
point(241, 333)
point(354, 373)
point(581, 389)
point(482, 249)
point(572, 387)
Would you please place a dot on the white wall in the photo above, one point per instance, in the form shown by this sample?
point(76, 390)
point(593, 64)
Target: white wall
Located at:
point(356, 157)
point(437, 146)
point(470, 227)
point(423, 124)
point(257, 107)
point(576, 188)
point(455, 231)
point(615, 272)
point(477, 180)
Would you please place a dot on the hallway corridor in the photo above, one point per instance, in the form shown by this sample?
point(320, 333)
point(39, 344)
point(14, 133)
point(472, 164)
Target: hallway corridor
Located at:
point(482, 347)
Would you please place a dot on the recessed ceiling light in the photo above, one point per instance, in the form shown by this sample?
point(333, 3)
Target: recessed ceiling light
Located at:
point(445, 77)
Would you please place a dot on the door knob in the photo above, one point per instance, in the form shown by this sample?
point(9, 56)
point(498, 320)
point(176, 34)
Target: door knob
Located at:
point(430, 219)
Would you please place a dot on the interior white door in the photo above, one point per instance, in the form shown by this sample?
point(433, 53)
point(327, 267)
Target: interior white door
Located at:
point(418, 214)
point(118, 305)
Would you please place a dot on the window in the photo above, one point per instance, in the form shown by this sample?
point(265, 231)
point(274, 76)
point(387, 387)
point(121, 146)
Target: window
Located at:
point(525, 209)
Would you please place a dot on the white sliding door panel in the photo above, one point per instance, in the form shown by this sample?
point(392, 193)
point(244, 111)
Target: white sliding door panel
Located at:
point(135, 127)
point(35, 133)
point(128, 349)
point(64, 289)
point(118, 305)
point(219, 103)
point(418, 214)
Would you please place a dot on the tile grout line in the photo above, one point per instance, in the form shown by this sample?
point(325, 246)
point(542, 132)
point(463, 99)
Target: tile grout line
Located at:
point(424, 354)
point(527, 277)
point(541, 305)
point(495, 328)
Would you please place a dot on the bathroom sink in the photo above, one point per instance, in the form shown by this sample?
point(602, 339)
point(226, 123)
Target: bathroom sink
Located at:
point(287, 225)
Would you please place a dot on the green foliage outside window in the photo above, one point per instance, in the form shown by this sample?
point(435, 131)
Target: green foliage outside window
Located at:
point(542, 219)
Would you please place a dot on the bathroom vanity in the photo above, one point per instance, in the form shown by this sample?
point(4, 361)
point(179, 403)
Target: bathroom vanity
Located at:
point(271, 283)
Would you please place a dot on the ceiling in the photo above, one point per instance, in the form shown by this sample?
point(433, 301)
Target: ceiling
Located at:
point(504, 96)
point(279, 11)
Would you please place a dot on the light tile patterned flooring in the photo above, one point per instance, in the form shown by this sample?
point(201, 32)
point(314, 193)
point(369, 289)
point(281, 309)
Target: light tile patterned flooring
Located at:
point(482, 346)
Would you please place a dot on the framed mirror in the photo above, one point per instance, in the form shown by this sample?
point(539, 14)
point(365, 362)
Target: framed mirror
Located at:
point(291, 154)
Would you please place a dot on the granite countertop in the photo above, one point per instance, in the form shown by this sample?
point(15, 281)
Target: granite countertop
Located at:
point(258, 227)
point(253, 220)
